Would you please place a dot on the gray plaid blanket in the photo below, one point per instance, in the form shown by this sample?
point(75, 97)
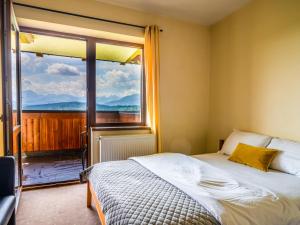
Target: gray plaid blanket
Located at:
point(131, 194)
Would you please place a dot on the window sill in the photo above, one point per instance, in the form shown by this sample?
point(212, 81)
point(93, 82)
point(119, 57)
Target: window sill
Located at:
point(120, 128)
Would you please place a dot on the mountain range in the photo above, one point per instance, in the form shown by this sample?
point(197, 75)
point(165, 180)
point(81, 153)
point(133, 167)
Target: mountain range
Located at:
point(33, 101)
point(125, 101)
point(79, 106)
point(32, 98)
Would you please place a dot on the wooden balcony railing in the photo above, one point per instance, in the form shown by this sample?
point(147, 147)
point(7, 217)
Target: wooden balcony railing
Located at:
point(46, 131)
point(60, 130)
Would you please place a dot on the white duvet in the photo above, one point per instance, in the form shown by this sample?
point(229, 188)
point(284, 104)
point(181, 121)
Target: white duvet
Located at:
point(231, 202)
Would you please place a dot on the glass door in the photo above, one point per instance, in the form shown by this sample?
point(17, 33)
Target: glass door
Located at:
point(53, 106)
point(11, 87)
point(16, 98)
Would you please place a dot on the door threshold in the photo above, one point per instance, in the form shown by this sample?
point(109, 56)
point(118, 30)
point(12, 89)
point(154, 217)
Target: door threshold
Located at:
point(18, 197)
point(50, 185)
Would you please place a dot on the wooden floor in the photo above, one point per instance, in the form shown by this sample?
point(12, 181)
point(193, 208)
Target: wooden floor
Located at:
point(51, 168)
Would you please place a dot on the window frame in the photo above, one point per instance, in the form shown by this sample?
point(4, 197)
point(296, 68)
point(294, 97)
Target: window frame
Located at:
point(91, 74)
point(142, 123)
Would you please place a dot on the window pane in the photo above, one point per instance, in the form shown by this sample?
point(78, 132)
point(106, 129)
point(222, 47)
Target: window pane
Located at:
point(53, 73)
point(14, 97)
point(118, 84)
point(14, 76)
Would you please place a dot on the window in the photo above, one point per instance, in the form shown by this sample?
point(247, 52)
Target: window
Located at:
point(119, 85)
point(56, 68)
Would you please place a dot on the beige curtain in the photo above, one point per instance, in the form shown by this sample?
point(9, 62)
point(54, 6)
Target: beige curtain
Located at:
point(151, 55)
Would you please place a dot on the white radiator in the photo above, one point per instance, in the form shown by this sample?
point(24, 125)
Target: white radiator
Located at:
point(122, 147)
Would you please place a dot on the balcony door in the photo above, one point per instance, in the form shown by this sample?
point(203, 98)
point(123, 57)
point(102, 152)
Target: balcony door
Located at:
point(11, 101)
point(54, 106)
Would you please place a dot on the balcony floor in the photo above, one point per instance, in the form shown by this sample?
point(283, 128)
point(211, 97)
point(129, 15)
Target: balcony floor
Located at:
point(43, 169)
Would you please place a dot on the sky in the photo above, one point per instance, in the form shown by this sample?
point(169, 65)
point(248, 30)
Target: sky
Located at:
point(51, 79)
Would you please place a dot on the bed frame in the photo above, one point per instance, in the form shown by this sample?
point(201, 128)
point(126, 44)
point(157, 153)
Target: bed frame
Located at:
point(91, 196)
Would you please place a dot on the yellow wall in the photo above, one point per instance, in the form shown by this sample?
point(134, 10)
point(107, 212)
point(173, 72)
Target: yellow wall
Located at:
point(255, 71)
point(243, 72)
point(185, 49)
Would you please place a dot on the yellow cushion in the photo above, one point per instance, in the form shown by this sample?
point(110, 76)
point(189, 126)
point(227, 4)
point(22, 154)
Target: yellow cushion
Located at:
point(257, 157)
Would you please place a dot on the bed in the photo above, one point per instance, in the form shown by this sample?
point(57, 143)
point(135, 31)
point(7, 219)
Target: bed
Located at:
point(203, 189)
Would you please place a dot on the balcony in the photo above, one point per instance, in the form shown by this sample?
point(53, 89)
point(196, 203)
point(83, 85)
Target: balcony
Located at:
point(51, 142)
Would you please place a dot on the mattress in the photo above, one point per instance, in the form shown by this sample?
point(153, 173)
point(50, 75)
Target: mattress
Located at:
point(276, 181)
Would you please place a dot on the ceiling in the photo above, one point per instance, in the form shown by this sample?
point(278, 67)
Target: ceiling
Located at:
point(49, 45)
point(205, 12)
point(97, 33)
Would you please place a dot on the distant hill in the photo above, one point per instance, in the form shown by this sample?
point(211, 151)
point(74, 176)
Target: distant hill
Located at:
point(32, 98)
point(130, 100)
point(80, 106)
point(104, 99)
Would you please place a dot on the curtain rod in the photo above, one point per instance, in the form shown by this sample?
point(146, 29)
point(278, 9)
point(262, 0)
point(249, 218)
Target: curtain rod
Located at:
point(82, 16)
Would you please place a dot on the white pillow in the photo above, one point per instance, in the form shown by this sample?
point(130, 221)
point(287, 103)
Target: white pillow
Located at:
point(248, 138)
point(288, 159)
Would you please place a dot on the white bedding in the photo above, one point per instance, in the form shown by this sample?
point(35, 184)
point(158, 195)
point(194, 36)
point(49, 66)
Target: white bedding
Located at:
point(276, 181)
point(234, 194)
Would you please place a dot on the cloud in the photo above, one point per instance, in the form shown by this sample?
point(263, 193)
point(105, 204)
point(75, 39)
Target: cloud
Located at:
point(75, 87)
point(118, 82)
point(69, 77)
point(63, 69)
point(25, 59)
point(50, 75)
